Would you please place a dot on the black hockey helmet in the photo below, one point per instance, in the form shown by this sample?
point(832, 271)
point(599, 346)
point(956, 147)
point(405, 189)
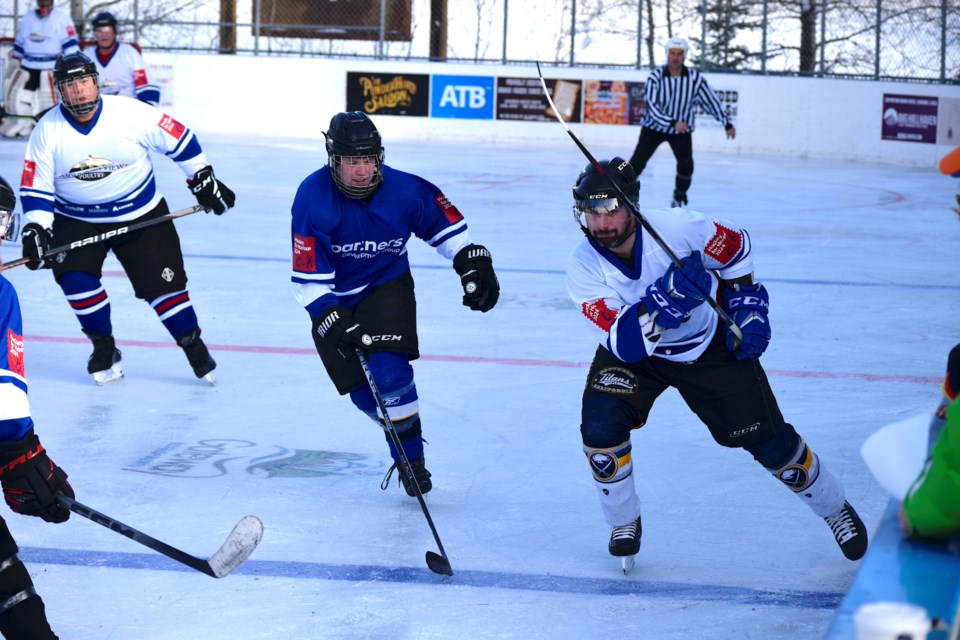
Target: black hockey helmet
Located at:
point(593, 190)
point(353, 135)
point(70, 68)
point(104, 19)
point(8, 202)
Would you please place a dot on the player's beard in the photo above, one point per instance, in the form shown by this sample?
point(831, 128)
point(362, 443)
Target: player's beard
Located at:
point(612, 241)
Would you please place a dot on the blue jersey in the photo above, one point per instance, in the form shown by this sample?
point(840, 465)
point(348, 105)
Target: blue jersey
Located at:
point(344, 247)
point(15, 418)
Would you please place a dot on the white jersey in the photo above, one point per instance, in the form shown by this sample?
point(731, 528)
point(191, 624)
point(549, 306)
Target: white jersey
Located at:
point(102, 172)
point(124, 73)
point(40, 41)
point(608, 292)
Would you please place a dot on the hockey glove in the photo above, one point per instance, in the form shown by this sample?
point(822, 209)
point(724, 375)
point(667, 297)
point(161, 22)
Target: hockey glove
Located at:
point(748, 306)
point(481, 290)
point(36, 242)
point(678, 292)
point(31, 482)
point(338, 328)
point(210, 193)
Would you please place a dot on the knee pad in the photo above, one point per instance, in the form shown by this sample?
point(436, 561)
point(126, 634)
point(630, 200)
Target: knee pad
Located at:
point(774, 452)
point(606, 421)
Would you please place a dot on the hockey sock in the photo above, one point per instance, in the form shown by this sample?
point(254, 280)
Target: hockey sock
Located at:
point(613, 478)
point(411, 439)
point(22, 613)
point(175, 312)
point(803, 474)
point(89, 301)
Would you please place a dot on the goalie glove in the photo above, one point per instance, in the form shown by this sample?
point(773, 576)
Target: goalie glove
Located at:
point(748, 306)
point(210, 193)
point(481, 289)
point(30, 480)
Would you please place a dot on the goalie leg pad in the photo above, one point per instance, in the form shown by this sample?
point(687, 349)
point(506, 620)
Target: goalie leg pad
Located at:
point(18, 101)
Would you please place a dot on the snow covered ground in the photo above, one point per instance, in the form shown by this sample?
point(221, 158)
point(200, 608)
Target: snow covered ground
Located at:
point(858, 260)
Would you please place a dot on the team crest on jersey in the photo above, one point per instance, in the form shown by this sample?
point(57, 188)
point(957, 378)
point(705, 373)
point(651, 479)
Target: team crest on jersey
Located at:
point(15, 352)
point(171, 126)
point(615, 380)
point(304, 254)
point(451, 212)
point(91, 169)
point(599, 314)
point(725, 244)
point(29, 172)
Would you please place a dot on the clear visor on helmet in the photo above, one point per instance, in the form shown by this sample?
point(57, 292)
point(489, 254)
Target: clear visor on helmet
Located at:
point(9, 225)
point(79, 95)
point(595, 207)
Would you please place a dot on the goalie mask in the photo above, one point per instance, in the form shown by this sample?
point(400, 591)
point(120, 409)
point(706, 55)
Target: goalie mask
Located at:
point(354, 148)
point(8, 220)
point(78, 95)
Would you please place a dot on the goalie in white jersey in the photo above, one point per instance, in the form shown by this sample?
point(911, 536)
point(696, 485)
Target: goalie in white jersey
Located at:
point(87, 171)
point(656, 331)
point(44, 34)
point(121, 67)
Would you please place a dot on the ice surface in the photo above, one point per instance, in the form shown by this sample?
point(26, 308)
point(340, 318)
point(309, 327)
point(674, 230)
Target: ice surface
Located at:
point(859, 260)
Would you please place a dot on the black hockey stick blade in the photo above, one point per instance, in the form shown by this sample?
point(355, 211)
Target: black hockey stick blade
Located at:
point(241, 542)
point(101, 237)
point(724, 317)
point(439, 564)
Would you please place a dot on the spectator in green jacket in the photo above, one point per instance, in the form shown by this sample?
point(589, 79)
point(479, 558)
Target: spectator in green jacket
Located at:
point(931, 508)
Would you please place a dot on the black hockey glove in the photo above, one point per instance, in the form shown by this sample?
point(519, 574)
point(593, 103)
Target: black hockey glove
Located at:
point(338, 328)
point(212, 194)
point(748, 306)
point(36, 242)
point(31, 482)
point(481, 290)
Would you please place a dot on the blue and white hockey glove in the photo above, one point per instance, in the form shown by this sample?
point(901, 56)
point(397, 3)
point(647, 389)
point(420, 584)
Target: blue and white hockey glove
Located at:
point(678, 292)
point(748, 306)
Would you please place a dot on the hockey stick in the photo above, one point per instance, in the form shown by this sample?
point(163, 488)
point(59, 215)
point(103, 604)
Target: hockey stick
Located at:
point(239, 545)
point(635, 210)
point(437, 563)
point(100, 237)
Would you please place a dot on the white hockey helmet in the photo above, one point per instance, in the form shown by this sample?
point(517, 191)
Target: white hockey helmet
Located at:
point(676, 42)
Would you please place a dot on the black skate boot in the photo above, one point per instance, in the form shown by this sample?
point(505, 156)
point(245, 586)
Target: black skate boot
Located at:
point(420, 473)
point(198, 355)
point(625, 543)
point(849, 532)
point(104, 363)
point(679, 200)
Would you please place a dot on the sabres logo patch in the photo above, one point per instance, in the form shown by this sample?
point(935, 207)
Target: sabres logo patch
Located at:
point(604, 464)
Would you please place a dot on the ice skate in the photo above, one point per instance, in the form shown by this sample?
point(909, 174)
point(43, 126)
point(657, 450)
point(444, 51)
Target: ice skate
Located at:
point(679, 200)
point(849, 532)
point(198, 355)
point(420, 473)
point(625, 543)
point(104, 363)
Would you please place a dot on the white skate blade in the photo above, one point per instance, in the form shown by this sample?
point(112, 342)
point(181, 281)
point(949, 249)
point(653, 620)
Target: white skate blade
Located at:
point(210, 379)
point(108, 376)
point(626, 563)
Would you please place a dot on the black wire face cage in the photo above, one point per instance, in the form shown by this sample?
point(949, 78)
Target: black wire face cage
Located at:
point(9, 225)
point(83, 108)
point(354, 191)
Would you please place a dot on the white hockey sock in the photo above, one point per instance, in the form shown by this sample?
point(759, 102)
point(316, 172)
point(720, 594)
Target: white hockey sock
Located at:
point(613, 478)
point(812, 483)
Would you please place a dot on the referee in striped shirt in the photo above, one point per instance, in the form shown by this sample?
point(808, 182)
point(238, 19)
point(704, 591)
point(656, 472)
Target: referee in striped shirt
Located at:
point(671, 93)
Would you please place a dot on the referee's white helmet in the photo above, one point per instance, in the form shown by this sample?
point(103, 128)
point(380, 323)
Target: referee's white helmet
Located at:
point(676, 43)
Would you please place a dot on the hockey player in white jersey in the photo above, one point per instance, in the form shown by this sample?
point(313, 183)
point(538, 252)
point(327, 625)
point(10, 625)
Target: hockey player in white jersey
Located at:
point(121, 67)
point(88, 171)
point(656, 331)
point(44, 34)
point(31, 481)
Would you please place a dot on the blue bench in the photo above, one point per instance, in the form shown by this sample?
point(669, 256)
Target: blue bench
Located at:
point(899, 570)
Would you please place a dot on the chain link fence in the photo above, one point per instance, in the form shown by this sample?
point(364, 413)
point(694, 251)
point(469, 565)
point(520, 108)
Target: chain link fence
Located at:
point(916, 40)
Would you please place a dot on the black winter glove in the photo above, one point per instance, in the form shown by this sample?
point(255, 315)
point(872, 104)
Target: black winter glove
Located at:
point(31, 482)
point(210, 193)
point(338, 327)
point(36, 242)
point(481, 290)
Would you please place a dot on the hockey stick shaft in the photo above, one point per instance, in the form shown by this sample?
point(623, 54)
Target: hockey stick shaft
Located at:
point(437, 563)
point(635, 210)
point(238, 547)
point(107, 235)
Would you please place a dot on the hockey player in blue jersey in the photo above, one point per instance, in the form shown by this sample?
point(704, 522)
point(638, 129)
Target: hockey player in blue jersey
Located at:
point(352, 220)
point(87, 170)
point(31, 481)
